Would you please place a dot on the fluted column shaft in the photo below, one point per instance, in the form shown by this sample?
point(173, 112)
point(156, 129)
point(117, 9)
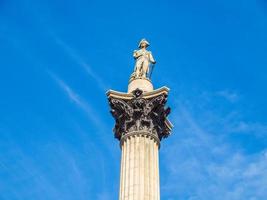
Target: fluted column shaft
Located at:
point(141, 123)
point(139, 168)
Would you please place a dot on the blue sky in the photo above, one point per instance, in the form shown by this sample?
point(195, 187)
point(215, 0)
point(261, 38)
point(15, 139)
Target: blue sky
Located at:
point(58, 58)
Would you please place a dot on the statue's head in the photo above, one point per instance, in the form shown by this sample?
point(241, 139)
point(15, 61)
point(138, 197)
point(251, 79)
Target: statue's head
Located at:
point(143, 43)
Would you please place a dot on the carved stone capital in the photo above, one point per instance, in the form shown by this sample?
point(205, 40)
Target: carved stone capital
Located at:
point(141, 114)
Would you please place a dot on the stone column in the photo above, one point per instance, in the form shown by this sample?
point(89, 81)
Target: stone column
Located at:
point(141, 123)
point(139, 168)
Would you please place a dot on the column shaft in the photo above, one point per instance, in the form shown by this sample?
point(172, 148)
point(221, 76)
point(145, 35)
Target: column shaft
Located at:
point(139, 169)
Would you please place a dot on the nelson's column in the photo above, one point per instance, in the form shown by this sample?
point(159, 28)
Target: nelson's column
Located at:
point(141, 123)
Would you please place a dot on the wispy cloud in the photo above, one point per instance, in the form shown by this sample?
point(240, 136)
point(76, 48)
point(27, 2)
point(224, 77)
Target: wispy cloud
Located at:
point(92, 114)
point(81, 62)
point(74, 97)
point(228, 95)
point(51, 171)
point(23, 168)
point(201, 162)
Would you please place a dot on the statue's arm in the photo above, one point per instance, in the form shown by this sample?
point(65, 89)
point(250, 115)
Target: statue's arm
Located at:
point(152, 60)
point(136, 54)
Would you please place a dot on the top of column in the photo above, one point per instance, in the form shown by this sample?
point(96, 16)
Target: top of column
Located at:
point(144, 64)
point(142, 110)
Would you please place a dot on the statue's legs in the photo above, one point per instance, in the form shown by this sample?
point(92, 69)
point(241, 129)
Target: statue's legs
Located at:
point(145, 68)
point(141, 68)
point(138, 68)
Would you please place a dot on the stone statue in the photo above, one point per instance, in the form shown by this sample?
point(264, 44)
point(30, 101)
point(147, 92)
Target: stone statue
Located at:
point(143, 59)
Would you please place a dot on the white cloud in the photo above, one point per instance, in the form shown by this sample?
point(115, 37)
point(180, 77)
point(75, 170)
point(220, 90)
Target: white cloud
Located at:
point(74, 97)
point(80, 61)
point(201, 163)
point(228, 95)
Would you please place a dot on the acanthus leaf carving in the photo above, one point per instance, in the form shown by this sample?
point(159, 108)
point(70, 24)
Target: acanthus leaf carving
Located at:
point(140, 114)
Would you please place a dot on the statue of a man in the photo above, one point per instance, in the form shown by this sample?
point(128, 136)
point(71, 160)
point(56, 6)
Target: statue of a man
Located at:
point(143, 59)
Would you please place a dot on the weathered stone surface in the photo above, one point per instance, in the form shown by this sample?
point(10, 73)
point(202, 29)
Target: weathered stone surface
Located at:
point(143, 84)
point(139, 178)
point(140, 124)
point(143, 59)
point(139, 114)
